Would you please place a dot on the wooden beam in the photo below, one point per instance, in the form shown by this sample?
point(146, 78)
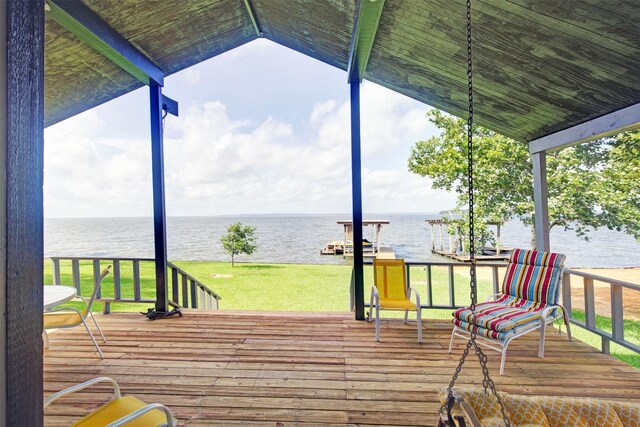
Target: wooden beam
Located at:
point(540, 200)
point(365, 26)
point(610, 124)
point(21, 211)
point(252, 17)
point(91, 29)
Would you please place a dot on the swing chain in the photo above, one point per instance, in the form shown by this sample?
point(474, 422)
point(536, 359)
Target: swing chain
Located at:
point(487, 382)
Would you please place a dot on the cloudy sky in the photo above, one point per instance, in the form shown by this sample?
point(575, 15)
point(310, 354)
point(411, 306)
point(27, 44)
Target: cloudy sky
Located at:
point(262, 129)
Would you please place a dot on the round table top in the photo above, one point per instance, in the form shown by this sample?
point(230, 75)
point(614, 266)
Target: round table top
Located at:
point(55, 295)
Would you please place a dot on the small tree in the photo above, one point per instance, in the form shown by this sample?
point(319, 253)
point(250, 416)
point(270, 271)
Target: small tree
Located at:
point(239, 240)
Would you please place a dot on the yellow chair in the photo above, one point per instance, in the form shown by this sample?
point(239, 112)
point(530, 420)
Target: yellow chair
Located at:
point(69, 317)
point(126, 411)
point(390, 292)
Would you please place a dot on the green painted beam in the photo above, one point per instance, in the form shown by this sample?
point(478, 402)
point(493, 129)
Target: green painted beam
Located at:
point(91, 29)
point(365, 26)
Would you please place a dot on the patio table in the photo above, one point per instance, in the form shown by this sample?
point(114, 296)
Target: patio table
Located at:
point(56, 295)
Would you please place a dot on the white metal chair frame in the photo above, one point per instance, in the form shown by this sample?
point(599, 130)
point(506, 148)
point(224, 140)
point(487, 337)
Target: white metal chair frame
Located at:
point(375, 298)
point(88, 304)
point(116, 395)
point(490, 343)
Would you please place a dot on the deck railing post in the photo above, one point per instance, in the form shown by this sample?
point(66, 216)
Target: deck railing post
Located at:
point(185, 291)
point(496, 279)
point(174, 286)
point(136, 280)
point(75, 275)
point(452, 290)
point(617, 313)
point(56, 270)
point(429, 287)
point(589, 303)
point(117, 294)
point(194, 295)
point(566, 292)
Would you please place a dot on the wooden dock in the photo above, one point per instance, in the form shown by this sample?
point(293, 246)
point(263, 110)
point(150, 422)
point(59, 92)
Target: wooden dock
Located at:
point(465, 258)
point(270, 369)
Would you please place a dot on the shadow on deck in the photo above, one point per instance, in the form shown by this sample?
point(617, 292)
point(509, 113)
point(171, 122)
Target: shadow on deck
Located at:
point(255, 368)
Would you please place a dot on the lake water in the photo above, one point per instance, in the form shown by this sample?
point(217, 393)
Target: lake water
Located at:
point(299, 238)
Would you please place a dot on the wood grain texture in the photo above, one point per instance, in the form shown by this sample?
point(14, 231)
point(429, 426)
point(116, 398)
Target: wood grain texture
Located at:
point(539, 66)
point(24, 212)
point(259, 368)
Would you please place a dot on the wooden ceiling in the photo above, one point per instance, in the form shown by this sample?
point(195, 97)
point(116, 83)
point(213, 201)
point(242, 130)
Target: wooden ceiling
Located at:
point(540, 65)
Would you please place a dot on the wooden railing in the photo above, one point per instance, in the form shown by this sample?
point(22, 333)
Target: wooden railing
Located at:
point(421, 274)
point(617, 307)
point(184, 289)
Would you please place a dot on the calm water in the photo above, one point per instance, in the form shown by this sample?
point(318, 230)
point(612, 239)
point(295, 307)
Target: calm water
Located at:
point(299, 238)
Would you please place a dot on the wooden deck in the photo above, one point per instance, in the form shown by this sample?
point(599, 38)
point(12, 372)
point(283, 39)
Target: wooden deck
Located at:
point(257, 368)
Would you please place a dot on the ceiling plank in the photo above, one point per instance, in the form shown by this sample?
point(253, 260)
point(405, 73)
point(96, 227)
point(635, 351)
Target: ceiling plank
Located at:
point(365, 27)
point(91, 29)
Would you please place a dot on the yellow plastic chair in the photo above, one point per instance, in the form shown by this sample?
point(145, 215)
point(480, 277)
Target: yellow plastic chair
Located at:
point(390, 292)
point(69, 317)
point(126, 411)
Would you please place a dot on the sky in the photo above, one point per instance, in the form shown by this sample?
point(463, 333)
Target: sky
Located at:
point(262, 130)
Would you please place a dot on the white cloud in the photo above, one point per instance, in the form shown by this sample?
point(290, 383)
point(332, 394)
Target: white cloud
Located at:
point(216, 164)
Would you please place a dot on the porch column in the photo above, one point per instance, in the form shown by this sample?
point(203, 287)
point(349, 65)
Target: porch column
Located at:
point(356, 198)
point(21, 211)
point(540, 200)
point(159, 214)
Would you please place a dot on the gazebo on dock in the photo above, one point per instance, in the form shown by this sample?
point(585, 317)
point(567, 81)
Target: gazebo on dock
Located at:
point(550, 74)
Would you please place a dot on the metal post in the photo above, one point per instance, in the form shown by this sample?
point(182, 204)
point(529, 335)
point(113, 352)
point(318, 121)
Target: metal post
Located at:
point(540, 199)
point(159, 215)
point(356, 186)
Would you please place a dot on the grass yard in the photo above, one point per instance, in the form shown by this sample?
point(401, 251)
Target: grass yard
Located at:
point(314, 288)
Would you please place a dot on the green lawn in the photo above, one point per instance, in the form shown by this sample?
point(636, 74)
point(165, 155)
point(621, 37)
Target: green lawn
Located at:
point(294, 287)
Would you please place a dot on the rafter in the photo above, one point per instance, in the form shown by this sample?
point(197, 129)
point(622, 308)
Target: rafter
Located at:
point(91, 29)
point(365, 26)
point(252, 16)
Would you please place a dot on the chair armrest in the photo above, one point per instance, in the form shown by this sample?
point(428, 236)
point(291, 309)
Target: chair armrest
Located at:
point(549, 309)
point(150, 407)
point(412, 290)
point(81, 386)
point(492, 297)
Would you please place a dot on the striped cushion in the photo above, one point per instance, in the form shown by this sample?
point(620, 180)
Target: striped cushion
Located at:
point(534, 276)
point(502, 318)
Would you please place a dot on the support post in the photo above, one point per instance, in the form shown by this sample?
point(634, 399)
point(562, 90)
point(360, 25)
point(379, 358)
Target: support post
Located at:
point(159, 215)
point(540, 201)
point(21, 211)
point(356, 186)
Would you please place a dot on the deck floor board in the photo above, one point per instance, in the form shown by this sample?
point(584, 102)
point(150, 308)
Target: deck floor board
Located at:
point(266, 369)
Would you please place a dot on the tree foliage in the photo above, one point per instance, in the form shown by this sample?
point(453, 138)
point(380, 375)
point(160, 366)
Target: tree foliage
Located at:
point(590, 185)
point(239, 240)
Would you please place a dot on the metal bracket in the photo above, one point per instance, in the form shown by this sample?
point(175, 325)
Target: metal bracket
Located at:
point(169, 105)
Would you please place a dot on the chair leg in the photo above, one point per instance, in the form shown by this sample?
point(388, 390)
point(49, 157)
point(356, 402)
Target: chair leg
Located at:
point(565, 315)
point(97, 326)
point(504, 357)
point(377, 322)
point(453, 334)
point(95, 343)
point(543, 328)
point(406, 316)
point(46, 338)
point(419, 316)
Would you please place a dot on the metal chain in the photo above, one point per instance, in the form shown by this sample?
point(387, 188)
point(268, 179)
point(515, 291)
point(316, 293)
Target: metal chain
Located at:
point(487, 382)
